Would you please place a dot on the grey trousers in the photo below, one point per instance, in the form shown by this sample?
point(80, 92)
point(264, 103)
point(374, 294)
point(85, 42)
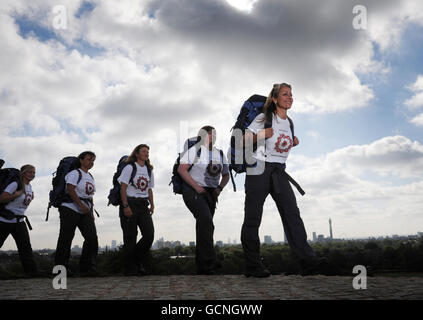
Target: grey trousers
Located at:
point(257, 188)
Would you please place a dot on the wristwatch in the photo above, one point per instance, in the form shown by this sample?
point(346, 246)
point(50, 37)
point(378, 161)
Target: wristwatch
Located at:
point(125, 205)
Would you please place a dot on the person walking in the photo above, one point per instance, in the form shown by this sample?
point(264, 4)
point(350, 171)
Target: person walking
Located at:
point(15, 200)
point(205, 172)
point(80, 186)
point(137, 209)
point(269, 176)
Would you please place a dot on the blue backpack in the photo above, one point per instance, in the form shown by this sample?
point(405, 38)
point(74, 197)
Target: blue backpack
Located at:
point(249, 111)
point(114, 193)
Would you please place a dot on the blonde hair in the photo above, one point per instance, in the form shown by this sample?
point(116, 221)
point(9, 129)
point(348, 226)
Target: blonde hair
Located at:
point(269, 105)
point(24, 169)
point(133, 156)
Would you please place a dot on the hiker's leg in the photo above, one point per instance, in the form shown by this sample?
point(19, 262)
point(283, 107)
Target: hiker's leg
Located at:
point(88, 261)
point(130, 232)
point(21, 236)
point(68, 222)
point(256, 191)
point(145, 223)
point(205, 255)
point(5, 230)
point(292, 223)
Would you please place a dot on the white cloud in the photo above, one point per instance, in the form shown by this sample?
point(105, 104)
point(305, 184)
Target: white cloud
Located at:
point(416, 101)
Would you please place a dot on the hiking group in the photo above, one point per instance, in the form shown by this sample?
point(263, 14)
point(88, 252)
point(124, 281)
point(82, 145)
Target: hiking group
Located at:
point(261, 140)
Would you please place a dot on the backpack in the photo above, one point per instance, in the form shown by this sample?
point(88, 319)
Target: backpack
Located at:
point(58, 194)
point(7, 176)
point(249, 111)
point(114, 193)
point(176, 179)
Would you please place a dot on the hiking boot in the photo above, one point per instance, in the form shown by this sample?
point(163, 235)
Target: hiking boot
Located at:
point(257, 273)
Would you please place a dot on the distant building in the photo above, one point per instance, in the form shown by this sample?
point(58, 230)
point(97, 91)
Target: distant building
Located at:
point(330, 229)
point(219, 243)
point(114, 244)
point(420, 234)
point(268, 240)
point(314, 237)
point(192, 243)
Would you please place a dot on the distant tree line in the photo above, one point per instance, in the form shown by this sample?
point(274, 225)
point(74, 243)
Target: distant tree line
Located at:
point(377, 255)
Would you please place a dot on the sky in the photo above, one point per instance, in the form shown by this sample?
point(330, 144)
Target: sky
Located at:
point(106, 76)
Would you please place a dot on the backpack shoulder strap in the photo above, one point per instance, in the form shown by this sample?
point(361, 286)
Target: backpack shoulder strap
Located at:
point(80, 175)
point(134, 171)
point(268, 120)
point(291, 125)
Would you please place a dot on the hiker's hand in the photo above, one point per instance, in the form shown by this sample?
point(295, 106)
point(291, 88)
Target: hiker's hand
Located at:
point(151, 209)
point(200, 190)
point(296, 141)
point(127, 212)
point(265, 133)
point(216, 192)
point(18, 193)
point(85, 209)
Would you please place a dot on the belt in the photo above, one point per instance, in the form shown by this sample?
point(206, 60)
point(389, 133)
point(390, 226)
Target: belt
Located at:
point(9, 215)
point(280, 171)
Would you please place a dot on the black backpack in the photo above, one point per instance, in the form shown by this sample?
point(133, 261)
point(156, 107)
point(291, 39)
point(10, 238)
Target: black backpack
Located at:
point(7, 176)
point(249, 111)
point(114, 193)
point(58, 194)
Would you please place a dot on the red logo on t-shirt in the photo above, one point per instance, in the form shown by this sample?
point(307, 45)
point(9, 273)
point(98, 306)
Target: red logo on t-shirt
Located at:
point(142, 183)
point(283, 144)
point(28, 198)
point(214, 169)
point(89, 188)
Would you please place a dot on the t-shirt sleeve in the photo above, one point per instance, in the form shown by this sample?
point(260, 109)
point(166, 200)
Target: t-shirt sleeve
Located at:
point(72, 177)
point(11, 188)
point(188, 157)
point(257, 124)
point(125, 175)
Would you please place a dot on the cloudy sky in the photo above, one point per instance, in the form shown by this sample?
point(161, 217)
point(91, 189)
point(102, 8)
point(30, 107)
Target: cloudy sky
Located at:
point(106, 76)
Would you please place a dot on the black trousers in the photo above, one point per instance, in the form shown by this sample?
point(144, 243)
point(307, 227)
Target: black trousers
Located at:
point(135, 252)
point(69, 221)
point(20, 233)
point(202, 207)
point(257, 188)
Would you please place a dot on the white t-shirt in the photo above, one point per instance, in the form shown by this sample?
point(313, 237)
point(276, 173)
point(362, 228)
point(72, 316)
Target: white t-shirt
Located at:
point(207, 169)
point(19, 205)
point(141, 182)
point(84, 189)
point(276, 149)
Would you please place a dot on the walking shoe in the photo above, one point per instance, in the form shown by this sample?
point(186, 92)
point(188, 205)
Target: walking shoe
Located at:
point(257, 273)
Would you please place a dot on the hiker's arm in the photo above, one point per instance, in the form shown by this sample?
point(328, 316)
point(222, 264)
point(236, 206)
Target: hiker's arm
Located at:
point(72, 193)
point(151, 200)
point(126, 211)
point(6, 197)
point(223, 182)
point(296, 141)
point(183, 172)
point(250, 137)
